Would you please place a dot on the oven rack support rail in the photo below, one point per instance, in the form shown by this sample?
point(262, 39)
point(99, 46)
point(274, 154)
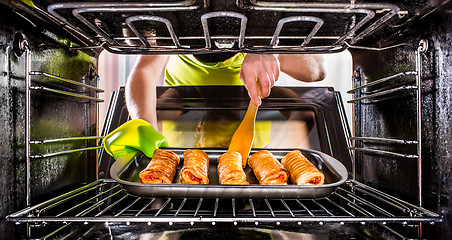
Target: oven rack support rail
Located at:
point(86, 95)
point(76, 17)
point(104, 201)
point(361, 94)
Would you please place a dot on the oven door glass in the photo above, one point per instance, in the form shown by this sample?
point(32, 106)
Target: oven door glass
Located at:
point(213, 128)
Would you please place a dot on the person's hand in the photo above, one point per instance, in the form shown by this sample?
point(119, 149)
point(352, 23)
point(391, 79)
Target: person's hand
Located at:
point(264, 68)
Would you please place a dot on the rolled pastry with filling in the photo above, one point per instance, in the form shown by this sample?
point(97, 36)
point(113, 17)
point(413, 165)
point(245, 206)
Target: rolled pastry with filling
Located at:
point(196, 167)
point(230, 170)
point(301, 171)
point(161, 168)
point(267, 169)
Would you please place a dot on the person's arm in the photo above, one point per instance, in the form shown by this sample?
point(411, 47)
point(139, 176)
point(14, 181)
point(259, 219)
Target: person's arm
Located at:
point(140, 90)
point(266, 69)
point(303, 67)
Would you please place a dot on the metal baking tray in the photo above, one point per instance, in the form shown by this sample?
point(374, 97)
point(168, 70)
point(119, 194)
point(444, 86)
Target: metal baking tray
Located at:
point(126, 169)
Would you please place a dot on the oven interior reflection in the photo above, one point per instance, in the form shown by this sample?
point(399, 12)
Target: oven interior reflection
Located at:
point(214, 128)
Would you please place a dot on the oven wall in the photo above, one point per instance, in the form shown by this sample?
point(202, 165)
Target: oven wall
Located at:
point(53, 115)
point(394, 116)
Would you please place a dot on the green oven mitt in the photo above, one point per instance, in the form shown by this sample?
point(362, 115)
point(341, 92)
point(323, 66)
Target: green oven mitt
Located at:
point(133, 136)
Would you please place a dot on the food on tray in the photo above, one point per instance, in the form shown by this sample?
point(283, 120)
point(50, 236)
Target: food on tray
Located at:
point(196, 167)
point(302, 172)
point(230, 170)
point(267, 169)
point(161, 168)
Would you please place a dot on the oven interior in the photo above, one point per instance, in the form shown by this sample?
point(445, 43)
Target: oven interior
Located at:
point(55, 173)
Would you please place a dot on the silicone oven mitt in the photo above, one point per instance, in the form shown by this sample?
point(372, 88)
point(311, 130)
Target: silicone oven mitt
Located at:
point(133, 136)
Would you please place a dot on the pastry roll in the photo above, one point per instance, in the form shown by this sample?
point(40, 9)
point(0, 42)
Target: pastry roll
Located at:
point(230, 170)
point(302, 172)
point(267, 169)
point(161, 168)
point(196, 167)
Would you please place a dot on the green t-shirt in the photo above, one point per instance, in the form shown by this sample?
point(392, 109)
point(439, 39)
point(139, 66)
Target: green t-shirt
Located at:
point(186, 70)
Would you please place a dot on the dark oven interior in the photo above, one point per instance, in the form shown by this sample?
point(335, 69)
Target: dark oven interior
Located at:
point(55, 174)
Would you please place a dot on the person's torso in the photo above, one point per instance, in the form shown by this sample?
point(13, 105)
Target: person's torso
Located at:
point(185, 70)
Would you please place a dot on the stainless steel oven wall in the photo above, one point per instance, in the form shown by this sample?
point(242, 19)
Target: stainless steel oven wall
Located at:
point(54, 115)
point(389, 155)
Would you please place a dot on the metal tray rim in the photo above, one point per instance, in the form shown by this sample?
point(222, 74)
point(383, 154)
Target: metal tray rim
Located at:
point(214, 190)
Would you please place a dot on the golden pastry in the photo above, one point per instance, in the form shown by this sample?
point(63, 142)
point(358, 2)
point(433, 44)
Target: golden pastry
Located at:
point(302, 172)
point(230, 170)
point(161, 168)
point(267, 169)
point(196, 167)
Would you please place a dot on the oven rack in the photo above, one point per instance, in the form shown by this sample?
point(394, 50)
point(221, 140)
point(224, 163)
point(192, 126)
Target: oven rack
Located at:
point(38, 87)
point(130, 27)
point(382, 88)
point(71, 93)
point(86, 95)
point(104, 201)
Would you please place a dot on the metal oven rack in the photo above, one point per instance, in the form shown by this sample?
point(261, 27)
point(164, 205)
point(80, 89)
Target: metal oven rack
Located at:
point(362, 95)
point(121, 27)
point(104, 201)
point(85, 94)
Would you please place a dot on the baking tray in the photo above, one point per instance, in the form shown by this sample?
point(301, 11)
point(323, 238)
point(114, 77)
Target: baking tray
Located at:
point(126, 169)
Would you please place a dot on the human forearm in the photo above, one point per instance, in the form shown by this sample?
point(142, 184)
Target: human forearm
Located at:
point(141, 85)
point(303, 67)
point(137, 95)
